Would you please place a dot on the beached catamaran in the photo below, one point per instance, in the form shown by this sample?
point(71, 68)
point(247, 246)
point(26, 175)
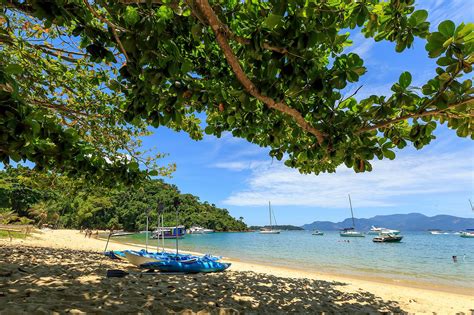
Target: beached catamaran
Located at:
point(351, 232)
point(270, 230)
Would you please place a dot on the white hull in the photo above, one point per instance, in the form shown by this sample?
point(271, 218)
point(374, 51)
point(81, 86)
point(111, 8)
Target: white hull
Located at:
point(380, 230)
point(270, 232)
point(138, 260)
point(199, 230)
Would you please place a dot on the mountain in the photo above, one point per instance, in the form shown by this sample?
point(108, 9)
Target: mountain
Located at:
point(404, 222)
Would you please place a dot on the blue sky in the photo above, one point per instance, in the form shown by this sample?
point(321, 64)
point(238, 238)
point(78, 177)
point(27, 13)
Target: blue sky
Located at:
point(241, 177)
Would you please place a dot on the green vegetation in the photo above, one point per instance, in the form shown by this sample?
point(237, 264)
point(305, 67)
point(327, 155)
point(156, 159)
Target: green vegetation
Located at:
point(47, 198)
point(19, 235)
point(80, 81)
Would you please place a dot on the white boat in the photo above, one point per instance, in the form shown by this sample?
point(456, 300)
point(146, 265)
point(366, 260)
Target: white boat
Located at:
point(438, 232)
point(351, 232)
point(469, 233)
point(138, 260)
point(199, 230)
point(270, 230)
point(381, 230)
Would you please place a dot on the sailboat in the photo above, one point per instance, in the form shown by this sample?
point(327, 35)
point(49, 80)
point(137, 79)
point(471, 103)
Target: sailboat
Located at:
point(468, 233)
point(351, 232)
point(270, 230)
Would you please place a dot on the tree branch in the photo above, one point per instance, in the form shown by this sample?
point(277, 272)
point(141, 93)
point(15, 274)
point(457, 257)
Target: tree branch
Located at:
point(220, 33)
point(112, 26)
point(415, 115)
point(63, 108)
point(353, 94)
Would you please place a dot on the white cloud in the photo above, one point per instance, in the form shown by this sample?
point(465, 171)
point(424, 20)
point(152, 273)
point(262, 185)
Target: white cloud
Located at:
point(389, 182)
point(240, 165)
point(361, 46)
point(440, 10)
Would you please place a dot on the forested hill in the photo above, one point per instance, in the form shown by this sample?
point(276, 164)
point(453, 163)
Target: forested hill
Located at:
point(30, 197)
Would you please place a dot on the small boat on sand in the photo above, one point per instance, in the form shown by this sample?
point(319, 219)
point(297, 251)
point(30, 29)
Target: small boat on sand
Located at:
point(387, 238)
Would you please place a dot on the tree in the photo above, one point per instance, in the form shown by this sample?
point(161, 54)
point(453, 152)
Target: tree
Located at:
point(271, 72)
point(73, 203)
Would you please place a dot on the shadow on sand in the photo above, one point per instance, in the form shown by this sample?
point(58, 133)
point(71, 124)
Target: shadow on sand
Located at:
point(43, 280)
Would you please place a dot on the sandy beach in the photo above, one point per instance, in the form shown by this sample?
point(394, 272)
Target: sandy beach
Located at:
point(62, 271)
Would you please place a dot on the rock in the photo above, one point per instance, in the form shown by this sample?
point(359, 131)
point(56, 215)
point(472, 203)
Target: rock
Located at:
point(228, 311)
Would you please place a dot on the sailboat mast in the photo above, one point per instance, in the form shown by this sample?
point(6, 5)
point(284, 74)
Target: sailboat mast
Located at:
point(270, 214)
point(146, 246)
point(352, 213)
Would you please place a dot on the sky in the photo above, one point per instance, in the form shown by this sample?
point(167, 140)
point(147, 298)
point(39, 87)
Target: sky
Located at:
point(241, 177)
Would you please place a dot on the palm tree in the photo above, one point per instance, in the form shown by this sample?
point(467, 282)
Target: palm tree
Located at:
point(7, 216)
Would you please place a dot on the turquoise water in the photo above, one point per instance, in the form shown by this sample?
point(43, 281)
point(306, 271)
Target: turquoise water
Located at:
point(420, 256)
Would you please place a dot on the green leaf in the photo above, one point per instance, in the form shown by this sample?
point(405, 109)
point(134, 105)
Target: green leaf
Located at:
point(231, 120)
point(389, 154)
point(447, 28)
point(153, 173)
point(131, 15)
point(272, 20)
point(13, 68)
point(419, 16)
point(405, 79)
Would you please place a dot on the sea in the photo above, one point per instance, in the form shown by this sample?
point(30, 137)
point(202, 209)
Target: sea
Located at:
point(419, 257)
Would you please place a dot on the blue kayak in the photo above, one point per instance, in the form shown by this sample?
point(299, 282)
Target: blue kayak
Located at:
point(159, 255)
point(194, 265)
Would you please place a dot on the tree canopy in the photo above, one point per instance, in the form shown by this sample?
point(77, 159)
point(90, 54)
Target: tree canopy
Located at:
point(79, 79)
point(62, 201)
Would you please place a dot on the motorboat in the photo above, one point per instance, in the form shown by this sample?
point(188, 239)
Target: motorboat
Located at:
point(469, 233)
point(317, 232)
point(169, 232)
point(387, 238)
point(199, 230)
point(438, 232)
point(381, 230)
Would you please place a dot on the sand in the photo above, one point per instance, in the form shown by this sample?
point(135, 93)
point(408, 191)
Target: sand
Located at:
point(61, 271)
